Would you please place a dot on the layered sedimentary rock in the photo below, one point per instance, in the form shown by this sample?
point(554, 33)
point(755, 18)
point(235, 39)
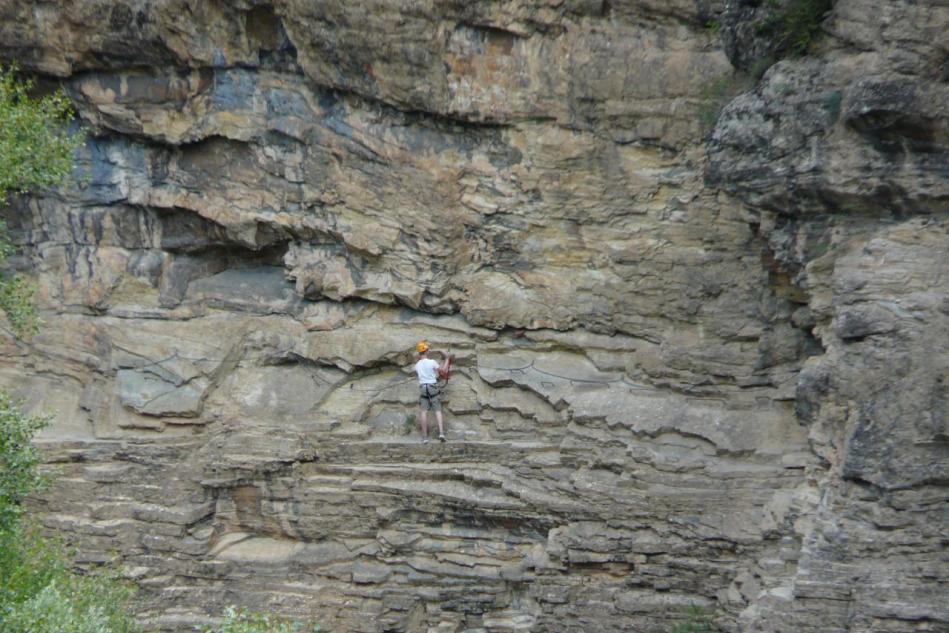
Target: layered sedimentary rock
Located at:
point(692, 369)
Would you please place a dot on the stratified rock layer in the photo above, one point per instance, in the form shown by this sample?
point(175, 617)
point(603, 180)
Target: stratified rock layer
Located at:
point(688, 372)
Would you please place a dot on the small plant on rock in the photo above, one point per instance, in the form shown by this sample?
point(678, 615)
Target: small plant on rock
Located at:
point(795, 24)
point(716, 95)
point(409, 424)
point(832, 104)
point(243, 621)
point(697, 621)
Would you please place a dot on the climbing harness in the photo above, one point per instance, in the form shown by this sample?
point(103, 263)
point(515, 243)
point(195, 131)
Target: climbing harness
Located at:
point(431, 391)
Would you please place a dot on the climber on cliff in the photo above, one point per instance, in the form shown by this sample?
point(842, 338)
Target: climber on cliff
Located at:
point(430, 393)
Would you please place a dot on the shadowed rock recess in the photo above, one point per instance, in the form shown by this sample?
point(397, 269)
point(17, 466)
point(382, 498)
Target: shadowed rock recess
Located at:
point(693, 367)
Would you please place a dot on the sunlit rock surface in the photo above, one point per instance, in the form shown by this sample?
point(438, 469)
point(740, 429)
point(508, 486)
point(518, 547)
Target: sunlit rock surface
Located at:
point(693, 367)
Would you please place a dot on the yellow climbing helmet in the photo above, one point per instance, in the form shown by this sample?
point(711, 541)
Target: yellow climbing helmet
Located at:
point(422, 347)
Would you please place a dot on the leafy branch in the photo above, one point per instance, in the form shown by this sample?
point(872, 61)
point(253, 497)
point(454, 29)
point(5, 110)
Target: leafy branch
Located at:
point(36, 152)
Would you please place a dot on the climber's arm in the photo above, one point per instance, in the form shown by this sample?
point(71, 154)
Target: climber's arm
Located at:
point(444, 369)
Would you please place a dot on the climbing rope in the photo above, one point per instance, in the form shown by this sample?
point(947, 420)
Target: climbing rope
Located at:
point(376, 390)
point(178, 356)
point(271, 355)
point(381, 389)
point(277, 353)
point(572, 380)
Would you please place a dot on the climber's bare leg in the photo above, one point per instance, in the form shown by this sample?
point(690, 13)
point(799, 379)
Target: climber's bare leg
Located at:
point(423, 420)
point(441, 424)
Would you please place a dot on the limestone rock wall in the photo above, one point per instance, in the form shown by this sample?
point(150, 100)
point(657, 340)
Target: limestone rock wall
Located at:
point(693, 368)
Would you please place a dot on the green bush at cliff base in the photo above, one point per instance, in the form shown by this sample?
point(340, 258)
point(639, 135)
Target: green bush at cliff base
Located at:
point(38, 591)
point(19, 461)
point(241, 621)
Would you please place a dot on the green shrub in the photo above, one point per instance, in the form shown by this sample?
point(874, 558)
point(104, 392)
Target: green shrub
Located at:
point(717, 93)
point(73, 604)
point(241, 621)
point(758, 69)
point(697, 621)
point(28, 563)
point(36, 150)
point(16, 300)
point(794, 24)
point(18, 460)
point(38, 591)
point(409, 424)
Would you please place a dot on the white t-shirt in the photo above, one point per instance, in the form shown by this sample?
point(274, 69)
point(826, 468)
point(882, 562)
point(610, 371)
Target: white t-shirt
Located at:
point(426, 370)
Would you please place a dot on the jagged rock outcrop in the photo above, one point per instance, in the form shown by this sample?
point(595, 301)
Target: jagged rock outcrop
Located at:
point(852, 166)
point(690, 370)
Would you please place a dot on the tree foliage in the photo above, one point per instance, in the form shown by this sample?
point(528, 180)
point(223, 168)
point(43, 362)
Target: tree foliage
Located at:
point(39, 593)
point(19, 459)
point(36, 147)
point(36, 151)
point(38, 590)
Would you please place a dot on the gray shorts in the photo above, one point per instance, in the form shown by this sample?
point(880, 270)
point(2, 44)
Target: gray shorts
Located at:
point(430, 397)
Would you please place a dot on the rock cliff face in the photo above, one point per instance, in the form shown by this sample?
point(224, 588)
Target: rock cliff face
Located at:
point(693, 368)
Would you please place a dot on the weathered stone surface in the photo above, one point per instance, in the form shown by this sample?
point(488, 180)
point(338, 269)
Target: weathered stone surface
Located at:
point(687, 373)
point(860, 129)
point(845, 148)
